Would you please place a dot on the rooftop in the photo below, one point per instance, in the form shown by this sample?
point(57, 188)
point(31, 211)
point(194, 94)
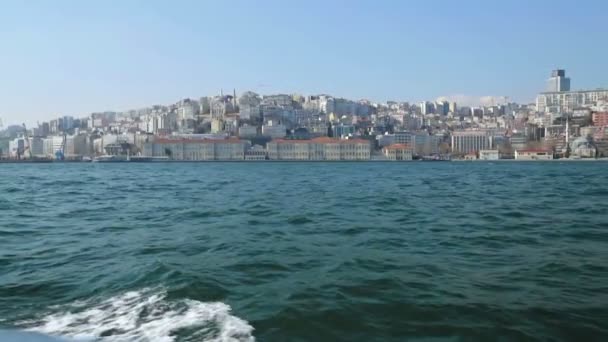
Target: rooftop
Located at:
point(322, 140)
point(197, 141)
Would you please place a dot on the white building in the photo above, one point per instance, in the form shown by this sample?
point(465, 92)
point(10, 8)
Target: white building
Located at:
point(197, 149)
point(398, 152)
point(51, 145)
point(489, 155)
point(464, 142)
point(567, 101)
point(319, 149)
point(533, 154)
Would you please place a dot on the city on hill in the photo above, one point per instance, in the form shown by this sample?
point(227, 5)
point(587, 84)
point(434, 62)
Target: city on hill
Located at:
point(561, 124)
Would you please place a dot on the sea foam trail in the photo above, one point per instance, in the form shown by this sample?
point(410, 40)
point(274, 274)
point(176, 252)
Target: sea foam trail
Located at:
point(142, 316)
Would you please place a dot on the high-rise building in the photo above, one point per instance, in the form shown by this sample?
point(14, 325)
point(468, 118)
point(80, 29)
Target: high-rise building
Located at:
point(558, 81)
point(453, 107)
point(426, 108)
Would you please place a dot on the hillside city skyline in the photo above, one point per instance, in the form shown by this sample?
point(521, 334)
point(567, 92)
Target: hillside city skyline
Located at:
point(71, 58)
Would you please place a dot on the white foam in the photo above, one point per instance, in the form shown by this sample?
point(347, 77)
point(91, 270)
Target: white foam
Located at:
point(142, 316)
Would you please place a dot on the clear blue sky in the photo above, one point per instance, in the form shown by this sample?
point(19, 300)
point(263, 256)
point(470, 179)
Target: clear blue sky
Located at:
point(75, 57)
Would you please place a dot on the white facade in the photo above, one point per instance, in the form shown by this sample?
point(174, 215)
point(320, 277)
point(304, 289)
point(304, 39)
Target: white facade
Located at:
point(489, 155)
point(533, 155)
point(319, 149)
point(470, 141)
point(51, 145)
point(565, 102)
point(197, 150)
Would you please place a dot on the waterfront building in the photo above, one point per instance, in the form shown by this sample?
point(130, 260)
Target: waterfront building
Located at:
point(197, 149)
point(37, 147)
point(489, 155)
point(426, 144)
point(16, 148)
point(404, 138)
point(319, 149)
point(464, 142)
point(76, 145)
point(52, 145)
point(533, 154)
point(398, 152)
point(256, 152)
point(582, 147)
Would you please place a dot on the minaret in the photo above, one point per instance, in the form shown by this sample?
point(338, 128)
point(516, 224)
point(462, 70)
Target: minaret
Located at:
point(234, 98)
point(567, 130)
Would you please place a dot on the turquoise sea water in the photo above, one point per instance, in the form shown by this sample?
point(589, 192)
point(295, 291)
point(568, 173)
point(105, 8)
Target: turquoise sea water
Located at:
point(306, 251)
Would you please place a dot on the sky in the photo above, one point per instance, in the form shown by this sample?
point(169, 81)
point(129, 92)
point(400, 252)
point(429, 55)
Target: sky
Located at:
point(74, 57)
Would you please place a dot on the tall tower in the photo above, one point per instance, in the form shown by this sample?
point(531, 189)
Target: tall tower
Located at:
point(558, 81)
point(234, 98)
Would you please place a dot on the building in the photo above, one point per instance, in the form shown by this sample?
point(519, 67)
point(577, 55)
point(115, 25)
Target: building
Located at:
point(343, 130)
point(568, 101)
point(425, 108)
point(319, 149)
point(51, 145)
point(464, 142)
point(533, 154)
point(197, 149)
point(558, 81)
point(274, 131)
point(426, 145)
point(489, 155)
point(217, 125)
point(582, 147)
point(256, 152)
point(36, 147)
point(453, 107)
point(600, 118)
point(404, 138)
point(76, 146)
point(248, 131)
point(398, 152)
point(442, 107)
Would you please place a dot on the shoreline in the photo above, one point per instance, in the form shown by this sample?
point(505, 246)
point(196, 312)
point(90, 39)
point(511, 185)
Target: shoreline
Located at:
point(5, 161)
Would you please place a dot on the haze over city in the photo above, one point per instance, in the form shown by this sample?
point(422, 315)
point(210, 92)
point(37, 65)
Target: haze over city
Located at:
point(74, 58)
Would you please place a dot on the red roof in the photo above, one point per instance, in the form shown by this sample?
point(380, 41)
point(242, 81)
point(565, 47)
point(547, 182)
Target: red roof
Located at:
point(322, 140)
point(197, 141)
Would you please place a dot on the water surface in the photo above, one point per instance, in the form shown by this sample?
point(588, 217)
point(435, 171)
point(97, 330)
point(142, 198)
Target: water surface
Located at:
point(306, 251)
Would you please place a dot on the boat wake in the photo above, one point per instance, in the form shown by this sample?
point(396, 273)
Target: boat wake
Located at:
point(145, 315)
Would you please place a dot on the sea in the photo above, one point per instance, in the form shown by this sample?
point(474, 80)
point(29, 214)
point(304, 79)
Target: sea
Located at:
point(376, 251)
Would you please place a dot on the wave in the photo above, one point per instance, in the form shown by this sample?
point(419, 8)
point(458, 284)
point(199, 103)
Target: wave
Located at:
point(145, 315)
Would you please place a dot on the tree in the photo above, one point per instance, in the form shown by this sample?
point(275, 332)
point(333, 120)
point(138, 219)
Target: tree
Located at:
point(168, 152)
